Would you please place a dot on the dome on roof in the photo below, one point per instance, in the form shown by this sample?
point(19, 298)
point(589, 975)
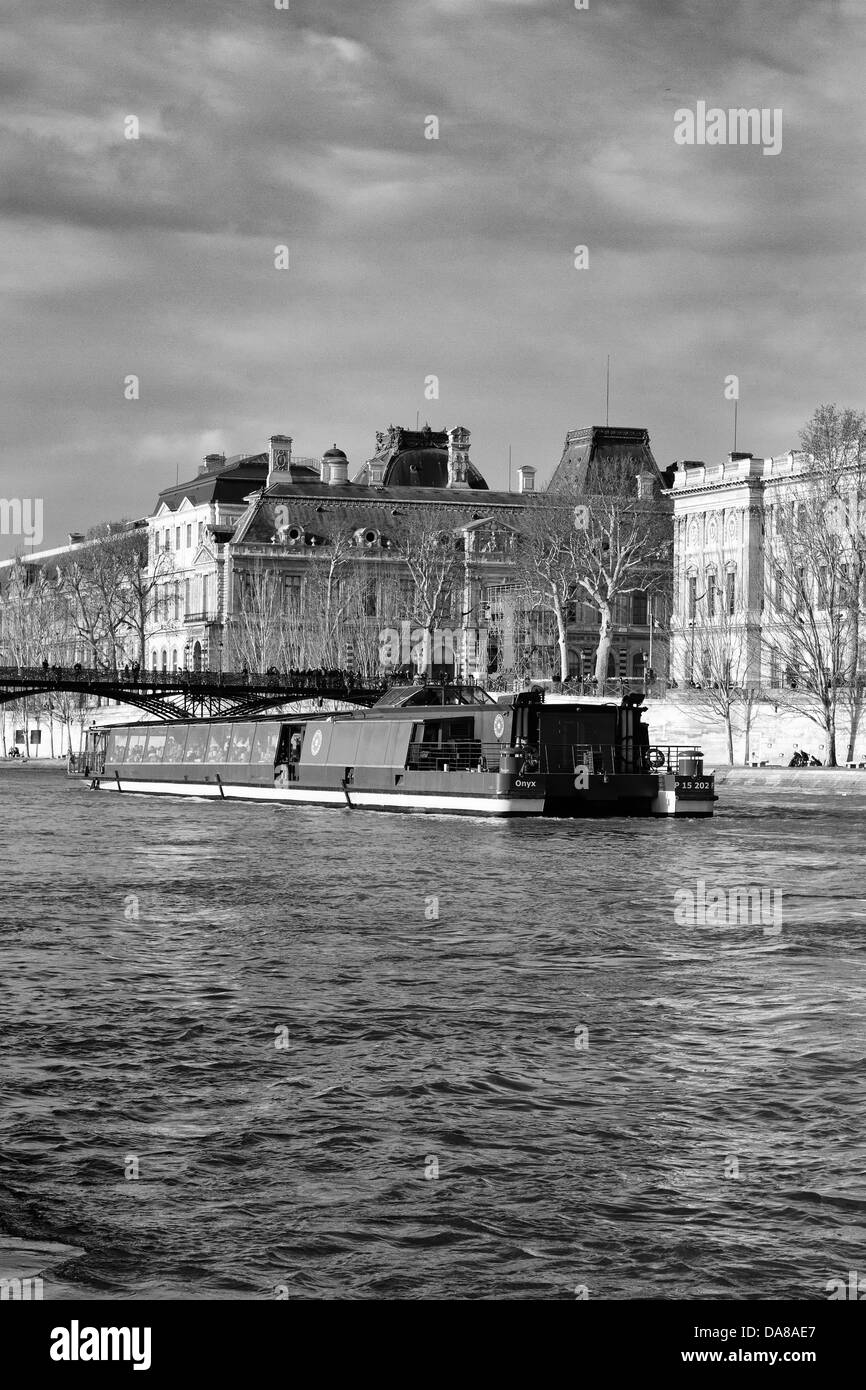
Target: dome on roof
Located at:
point(333, 454)
point(425, 467)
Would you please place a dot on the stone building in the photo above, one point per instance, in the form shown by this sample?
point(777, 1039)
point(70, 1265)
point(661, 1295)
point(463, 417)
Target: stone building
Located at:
point(212, 538)
point(720, 516)
point(218, 537)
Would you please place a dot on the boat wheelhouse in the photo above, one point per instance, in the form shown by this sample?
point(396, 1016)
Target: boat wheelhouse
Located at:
point(436, 748)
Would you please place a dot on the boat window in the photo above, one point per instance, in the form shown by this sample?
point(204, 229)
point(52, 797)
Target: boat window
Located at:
point(116, 745)
point(218, 743)
point(396, 696)
point(195, 743)
point(135, 747)
point(242, 742)
point(443, 730)
point(265, 743)
point(155, 746)
point(175, 739)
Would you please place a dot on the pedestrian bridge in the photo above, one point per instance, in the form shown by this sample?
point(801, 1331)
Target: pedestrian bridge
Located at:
point(189, 694)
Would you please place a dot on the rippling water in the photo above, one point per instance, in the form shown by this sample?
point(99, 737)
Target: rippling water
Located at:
point(149, 1043)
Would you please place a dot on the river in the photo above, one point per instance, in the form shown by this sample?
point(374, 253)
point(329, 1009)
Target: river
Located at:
point(263, 1052)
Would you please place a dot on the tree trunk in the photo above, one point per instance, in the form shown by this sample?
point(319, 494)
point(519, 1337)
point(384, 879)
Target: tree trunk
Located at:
point(602, 655)
point(831, 737)
point(427, 651)
point(748, 705)
point(561, 636)
point(729, 729)
point(855, 709)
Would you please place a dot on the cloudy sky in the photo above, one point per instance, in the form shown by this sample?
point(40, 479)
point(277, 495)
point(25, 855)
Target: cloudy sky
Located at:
point(412, 257)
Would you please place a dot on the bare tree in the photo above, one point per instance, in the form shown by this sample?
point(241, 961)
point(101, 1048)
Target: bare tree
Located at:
point(260, 624)
point(722, 657)
point(432, 552)
point(836, 441)
point(111, 594)
point(811, 631)
point(595, 549)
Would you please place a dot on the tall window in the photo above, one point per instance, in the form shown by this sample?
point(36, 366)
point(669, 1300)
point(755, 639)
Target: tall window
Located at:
point(204, 592)
point(823, 591)
point(730, 590)
point(799, 588)
point(639, 609)
point(188, 536)
point(711, 595)
point(693, 597)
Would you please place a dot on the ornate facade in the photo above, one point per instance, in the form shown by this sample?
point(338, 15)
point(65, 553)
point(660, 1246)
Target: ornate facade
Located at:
point(720, 517)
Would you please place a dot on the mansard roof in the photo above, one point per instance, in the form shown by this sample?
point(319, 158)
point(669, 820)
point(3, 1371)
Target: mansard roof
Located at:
point(596, 454)
point(319, 509)
point(231, 483)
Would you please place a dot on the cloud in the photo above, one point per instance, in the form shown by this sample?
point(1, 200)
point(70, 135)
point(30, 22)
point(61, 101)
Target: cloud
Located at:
point(412, 256)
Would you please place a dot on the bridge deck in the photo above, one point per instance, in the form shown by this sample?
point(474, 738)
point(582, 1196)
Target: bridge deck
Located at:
point(185, 694)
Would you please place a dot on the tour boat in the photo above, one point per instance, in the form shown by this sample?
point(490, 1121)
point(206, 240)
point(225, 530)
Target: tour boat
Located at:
point(437, 748)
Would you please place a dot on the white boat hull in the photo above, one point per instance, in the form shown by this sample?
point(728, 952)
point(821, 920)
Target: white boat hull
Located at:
point(360, 800)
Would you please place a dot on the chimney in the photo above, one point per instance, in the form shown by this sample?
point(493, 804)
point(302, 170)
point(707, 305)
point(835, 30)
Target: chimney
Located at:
point(279, 459)
point(211, 463)
point(525, 478)
point(458, 457)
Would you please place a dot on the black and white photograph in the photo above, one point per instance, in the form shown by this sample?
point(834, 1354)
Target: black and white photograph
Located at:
point(432, 667)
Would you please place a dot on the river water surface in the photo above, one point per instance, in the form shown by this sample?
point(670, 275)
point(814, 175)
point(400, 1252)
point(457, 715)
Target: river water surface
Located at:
point(258, 1052)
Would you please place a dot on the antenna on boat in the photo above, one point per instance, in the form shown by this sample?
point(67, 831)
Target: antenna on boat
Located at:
point(509, 468)
point(607, 394)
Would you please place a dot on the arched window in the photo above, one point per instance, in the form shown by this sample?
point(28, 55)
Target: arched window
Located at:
point(175, 656)
point(196, 657)
point(164, 659)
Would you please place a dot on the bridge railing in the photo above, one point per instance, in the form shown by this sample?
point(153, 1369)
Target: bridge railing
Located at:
point(140, 678)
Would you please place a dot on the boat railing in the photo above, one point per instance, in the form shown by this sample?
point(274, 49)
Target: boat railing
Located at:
point(683, 758)
point(601, 758)
point(471, 755)
point(597, 757)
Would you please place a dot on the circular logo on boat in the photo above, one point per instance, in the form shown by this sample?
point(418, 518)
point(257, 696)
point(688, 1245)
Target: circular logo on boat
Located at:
point(499, 726)
point(316, 744)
